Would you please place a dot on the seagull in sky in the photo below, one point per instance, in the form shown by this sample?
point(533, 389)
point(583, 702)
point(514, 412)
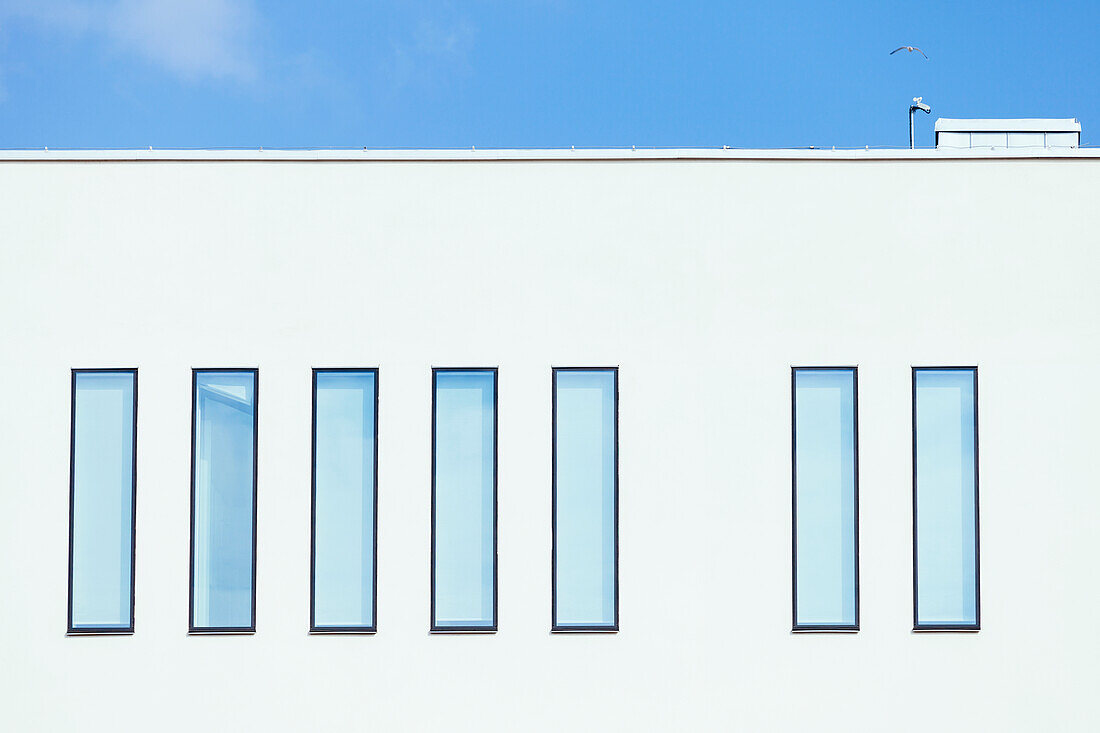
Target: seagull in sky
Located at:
point(910, 49)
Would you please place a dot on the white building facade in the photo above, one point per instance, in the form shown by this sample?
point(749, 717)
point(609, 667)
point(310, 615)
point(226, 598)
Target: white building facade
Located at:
point(698, 279)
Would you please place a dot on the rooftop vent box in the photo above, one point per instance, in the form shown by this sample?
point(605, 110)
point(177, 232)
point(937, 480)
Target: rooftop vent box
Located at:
point(1008, 133)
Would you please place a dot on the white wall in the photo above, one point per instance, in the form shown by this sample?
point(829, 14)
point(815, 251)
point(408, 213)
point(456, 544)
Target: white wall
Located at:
point(705, 281)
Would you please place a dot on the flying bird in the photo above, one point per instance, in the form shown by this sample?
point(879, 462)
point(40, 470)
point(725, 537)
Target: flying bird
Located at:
point(910, 49)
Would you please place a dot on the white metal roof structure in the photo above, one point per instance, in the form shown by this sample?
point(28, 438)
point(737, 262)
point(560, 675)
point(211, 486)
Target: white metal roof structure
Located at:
point(535, 154)
point(1069, 124)
point(1032, 124)
point(1014, 133)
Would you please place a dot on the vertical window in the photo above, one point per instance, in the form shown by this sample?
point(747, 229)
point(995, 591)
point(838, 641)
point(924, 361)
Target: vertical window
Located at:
point(223, 500)
point(102, 493)
point(585, 489)
point(825, 498)
point(945, 498)
point(464, 468)
point(345, 473)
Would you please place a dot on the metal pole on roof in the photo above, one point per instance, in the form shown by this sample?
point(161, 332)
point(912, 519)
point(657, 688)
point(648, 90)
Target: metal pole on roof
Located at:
point(917, 104)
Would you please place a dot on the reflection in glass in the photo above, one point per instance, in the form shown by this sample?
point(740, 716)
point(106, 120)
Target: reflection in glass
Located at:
point(826, 593)
point(585, 444)
point(344, 498)
point(946, 522)
point(223, 496)
point(101, 585)
point(464, 499)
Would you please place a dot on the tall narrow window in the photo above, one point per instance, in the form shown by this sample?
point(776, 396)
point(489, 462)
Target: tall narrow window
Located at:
point(102, 493)
point(345, 472)
point(223, 500)
point(464, 470)
point(945, 498)
point(825, 499)
point(585, 521)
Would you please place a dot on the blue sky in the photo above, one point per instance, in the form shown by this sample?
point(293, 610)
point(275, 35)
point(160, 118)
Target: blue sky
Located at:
point(532, 73)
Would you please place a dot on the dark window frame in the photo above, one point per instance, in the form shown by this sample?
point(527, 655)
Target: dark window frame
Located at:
point(251, 628)
point(587, 628)
point(491, 629)
point(90, 630)
point(977, 625)
point(344, 629)
point(795, 626)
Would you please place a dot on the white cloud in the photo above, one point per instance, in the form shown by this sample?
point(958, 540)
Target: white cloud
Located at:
point(190, 38)
point(439, 46)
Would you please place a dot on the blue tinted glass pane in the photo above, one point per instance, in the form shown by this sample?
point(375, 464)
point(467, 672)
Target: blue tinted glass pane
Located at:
point(946, 489)
point(344, 499)
point(464, 487)
point(225, 408)
point(584, 490)
point(103, 489)
point(825, 497)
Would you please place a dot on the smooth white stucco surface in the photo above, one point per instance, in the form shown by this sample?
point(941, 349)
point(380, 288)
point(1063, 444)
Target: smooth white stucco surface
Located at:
point(704, 281)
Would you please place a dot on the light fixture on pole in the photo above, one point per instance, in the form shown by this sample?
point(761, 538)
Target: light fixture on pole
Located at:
point(917, 104)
